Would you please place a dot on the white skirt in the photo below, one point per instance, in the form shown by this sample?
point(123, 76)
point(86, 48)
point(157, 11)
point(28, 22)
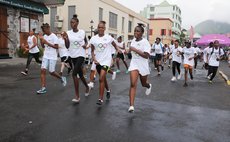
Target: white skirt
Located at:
point(142, 66)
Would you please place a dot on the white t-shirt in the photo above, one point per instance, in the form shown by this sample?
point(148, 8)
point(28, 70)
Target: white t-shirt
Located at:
point(213, 56)
point(137, 62)
point(113, 50)
point(197, 49)
point(176, 56)
point(205, 52)
point(171, 46)
point(152, 52)
point(77, 40)
point(103, 47)
point(120, 46)
point(158, 48)
point(189, 53)
point(50, 52)
point(31, 43)
point(63, 51)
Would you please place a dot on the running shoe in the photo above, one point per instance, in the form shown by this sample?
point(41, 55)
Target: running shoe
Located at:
point(131, 109)
point(179, 77)
point(76, 100)
point(169, 66)
point(87, 93)
point(127, 72)
point(63, 80)
point(155, 68)
point(108, 95)
point(162, 67)
point(210, 81)
point(173, 79)
point(99, 102)
point(185, 85)
point(42, 91)
point(118, 71)
point(91, 84)
point(24, 73)
point(148, 90)
point(114, 75)
point(159, 73)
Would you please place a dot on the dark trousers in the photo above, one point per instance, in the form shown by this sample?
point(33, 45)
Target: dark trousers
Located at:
point(30, 57)
point(212, 70)
point(195, 61)
point(174, 66)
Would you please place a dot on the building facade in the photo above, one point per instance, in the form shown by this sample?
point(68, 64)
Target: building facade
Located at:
point(120, 21)
point(17, 19)
point(165, 10)
point(162, 28)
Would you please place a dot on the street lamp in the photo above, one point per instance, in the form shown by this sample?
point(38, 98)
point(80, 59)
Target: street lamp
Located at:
point(91, 27)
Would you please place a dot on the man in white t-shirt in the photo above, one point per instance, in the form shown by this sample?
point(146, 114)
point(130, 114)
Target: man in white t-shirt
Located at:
point(205, 52)
point(171, 46)
point(158, 49)
point(50, 42)
point(214, 55)
point(189, 55)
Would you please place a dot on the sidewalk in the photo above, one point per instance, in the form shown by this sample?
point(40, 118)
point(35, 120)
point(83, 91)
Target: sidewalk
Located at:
point(224, 67)
point(12, 62)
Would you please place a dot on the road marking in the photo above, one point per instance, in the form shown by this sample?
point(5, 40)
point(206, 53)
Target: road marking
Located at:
point(225, 77)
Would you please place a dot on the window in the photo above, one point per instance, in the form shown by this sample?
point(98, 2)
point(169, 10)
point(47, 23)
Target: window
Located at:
point(152, 8)
point(173, 16)
point(150, 31)
point(123, 24)
point(53, 13)
point(170, 32)
point(112, 20)
point(173, 8)
point(130, 27)
point(151, 16)
point(100, 14)
point(71, 12)
point(163, 32)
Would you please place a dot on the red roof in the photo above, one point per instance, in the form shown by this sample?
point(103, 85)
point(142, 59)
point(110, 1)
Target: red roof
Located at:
point(160, 19)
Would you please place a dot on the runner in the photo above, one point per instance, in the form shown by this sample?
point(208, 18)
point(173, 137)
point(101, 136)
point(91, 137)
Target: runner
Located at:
point(50, 42)
point(165, 53)
point(139, 65)
point(121, 45)
point(205, 52)
point(33, 51)
point(64, 55)
point(158, 48)
point(101, 54)
point(76, 42)
point(176, 58)
point(189, 55)
point(197, 50)
point(214, 55)
point(152, 57)
point(171, 46)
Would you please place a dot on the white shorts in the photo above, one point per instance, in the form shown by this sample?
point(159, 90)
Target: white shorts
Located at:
point(48, 64)
point(93, 67)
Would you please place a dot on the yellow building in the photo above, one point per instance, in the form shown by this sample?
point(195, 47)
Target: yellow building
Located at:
point(162, 28)
point(120, 20)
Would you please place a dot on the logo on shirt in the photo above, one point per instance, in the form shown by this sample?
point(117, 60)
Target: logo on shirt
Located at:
point(101, 47)
point(77, 44)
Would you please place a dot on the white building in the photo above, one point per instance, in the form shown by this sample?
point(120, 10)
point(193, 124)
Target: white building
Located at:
point(165, 10)
point(120, 20)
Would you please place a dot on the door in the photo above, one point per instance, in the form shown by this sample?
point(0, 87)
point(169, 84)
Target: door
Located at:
point(3, 32)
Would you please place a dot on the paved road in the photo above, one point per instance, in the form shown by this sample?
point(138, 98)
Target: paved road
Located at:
point(172, 113)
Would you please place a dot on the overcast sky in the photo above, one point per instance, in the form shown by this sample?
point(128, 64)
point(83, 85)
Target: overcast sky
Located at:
point(193, 11)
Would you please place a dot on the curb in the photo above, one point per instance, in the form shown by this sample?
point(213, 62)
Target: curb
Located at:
point(225, 77)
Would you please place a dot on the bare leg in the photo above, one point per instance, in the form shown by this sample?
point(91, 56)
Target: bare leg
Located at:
point(133, 86)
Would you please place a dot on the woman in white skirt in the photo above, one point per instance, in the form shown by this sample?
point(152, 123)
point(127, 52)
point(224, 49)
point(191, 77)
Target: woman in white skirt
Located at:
point(139, 66)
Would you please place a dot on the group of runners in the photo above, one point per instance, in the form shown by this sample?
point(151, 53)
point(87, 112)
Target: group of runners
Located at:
point(75, 50)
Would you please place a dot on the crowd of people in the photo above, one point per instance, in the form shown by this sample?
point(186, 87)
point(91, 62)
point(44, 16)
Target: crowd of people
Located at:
point(102, 52)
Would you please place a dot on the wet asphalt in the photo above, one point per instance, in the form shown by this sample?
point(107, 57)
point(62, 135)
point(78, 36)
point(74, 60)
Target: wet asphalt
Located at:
point(171, 113)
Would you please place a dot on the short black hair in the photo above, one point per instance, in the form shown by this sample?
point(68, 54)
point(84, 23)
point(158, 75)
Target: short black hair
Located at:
point(45, 25)
point(141, 26)
point(102, 22)
point(177, 41)
point(158, 38)
point(75, 18)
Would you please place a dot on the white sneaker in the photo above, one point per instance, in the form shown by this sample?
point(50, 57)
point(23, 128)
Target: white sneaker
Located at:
point(173, 78)
point(131, 109)
point(114, 75)
point(87, 94)
point(148, 90)
point(179, 77)
point(76, 100)
point(91, 84)
point(63, 80)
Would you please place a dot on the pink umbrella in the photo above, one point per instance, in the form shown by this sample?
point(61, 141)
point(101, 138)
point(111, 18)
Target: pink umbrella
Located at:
point(206, 39)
